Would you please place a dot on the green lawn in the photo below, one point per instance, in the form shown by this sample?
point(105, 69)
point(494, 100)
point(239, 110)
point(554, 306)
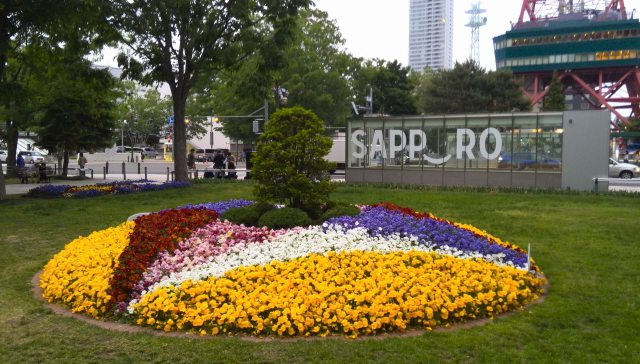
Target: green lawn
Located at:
point(587, 245)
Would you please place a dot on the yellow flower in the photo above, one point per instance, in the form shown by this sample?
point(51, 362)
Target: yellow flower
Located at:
point(318, 295)
point(79, 275)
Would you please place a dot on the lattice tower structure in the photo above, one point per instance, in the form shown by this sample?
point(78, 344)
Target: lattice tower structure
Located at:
point(593, 45)
point(475, 22)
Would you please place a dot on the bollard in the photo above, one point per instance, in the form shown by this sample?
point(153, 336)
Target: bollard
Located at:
point(167, 174)
point(124, 170)
point(138, 168)
point(196, 175)
point(145, 174)
point(107, 167)
point(91, 173)
point(104, 172)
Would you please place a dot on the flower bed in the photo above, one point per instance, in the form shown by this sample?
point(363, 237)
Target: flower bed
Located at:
point(100, 189)
point(386, 269)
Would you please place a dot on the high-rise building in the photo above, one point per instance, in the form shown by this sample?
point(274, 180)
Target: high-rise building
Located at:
point(431, 34)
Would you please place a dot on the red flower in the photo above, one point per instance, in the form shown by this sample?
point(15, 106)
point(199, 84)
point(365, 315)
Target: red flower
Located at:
point(152, 234)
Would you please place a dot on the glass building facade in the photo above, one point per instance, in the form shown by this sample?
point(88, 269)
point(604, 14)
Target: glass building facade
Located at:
point(476, 150)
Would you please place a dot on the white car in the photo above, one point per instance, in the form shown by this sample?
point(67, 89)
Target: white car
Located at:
point(3, 156)
point(31, 157)
point(623, 170)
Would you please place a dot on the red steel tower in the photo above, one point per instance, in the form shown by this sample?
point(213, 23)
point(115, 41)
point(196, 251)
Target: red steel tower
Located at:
point(593, 46)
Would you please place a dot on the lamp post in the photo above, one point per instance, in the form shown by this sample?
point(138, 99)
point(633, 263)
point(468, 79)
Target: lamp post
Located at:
point(124, 122)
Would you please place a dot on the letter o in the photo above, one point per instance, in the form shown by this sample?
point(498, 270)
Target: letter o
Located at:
point(483, 143)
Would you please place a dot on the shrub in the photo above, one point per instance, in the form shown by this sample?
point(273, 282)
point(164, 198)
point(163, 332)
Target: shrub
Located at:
point(340, 210)
point(247, 216)
point(262, 207)
point(286, 217)
point(289, 163)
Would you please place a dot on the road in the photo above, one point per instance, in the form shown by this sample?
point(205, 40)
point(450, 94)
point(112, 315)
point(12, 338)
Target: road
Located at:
point(628, 185)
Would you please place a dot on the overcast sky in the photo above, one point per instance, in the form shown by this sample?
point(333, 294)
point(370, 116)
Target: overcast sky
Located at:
point(380, 28)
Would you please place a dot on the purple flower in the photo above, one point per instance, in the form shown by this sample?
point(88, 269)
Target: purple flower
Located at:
point(48, 191)
point(219, 207)
point(380, 221)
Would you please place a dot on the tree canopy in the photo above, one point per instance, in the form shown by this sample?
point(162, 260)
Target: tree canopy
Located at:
point(392, 87)
point(554, 100)
point(314, 70)
point(145, 112)
point(468, 88)
point(179, 42)
point(77, 108)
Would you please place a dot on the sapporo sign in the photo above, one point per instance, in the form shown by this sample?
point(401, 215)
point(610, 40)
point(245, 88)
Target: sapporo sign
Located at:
point(415, 144)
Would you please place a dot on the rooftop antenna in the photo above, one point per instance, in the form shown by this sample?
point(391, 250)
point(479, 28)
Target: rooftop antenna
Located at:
point(475, 22)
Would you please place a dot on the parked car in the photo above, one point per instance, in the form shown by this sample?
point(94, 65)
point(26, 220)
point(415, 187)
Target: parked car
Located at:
point(623, 170)
point(519, 160)
point(149, 152)
point(3, 155)
point(522, 160)
point(31, 157)
point(206, 155)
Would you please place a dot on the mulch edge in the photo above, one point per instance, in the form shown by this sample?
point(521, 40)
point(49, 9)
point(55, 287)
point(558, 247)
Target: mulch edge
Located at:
point(130, 329)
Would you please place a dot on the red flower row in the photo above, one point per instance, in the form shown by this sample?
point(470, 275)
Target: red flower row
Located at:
point(152, 234)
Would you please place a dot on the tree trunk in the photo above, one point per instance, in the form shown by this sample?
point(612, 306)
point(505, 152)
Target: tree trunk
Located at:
point(65, 163)
point(179, 138)
point(12, 146)
point(3, 190)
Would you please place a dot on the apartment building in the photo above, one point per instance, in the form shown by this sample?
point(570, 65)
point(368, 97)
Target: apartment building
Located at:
point(431, 34)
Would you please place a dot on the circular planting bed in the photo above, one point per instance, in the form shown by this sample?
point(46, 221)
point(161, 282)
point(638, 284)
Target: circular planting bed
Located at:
point(386, 269)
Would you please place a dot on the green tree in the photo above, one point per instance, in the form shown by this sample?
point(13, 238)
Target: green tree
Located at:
point(391, 85)
point(315, 71)
point(468, 88)
point(146, 114)
point(289, 164)
point(77, 109)
point(554, 99)
point(422, 81)
point(76, 26)
point(178, 42)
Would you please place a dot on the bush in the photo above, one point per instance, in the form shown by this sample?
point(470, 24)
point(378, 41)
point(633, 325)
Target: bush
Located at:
point(262, 207)
point(247, 216)
point(286, 217)
point(340, 210)
point(289, 163)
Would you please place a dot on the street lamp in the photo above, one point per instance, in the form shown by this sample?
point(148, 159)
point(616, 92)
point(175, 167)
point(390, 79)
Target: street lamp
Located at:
point(124, 122)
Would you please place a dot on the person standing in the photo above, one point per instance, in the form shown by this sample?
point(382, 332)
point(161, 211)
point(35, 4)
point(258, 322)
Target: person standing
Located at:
point(191, 159)
point(218, 163)
point(231, 165)
point(20, 161)
point(82, 162)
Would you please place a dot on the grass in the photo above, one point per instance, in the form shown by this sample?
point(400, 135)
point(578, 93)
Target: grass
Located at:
point(587, 245)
